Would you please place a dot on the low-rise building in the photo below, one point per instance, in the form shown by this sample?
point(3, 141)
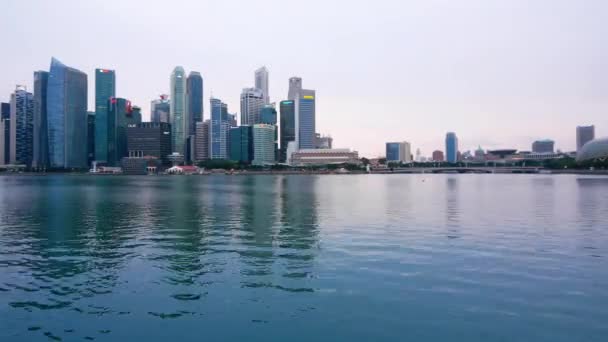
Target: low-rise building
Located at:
point(309, 157)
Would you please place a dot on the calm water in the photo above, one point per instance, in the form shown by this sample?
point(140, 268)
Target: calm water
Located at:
point(304, 258)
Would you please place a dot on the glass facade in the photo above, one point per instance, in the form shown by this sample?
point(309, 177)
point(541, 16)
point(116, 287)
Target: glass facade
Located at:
point(451, 147)
point(120, 116)
point(5, 116)
point(179, 117)
point(392, 151)
point(194, 89)
point(160, 110)
point(22, 129)
point(105, 89)
point(241, 144)
point(269, 115)
point(306, 122)
point(288, 127)
point(219, 130)
point(41, 150)
point(264, 144)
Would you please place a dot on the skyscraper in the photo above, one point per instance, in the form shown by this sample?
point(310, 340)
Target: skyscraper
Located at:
point(252, 101)
point(261, 82)
point(105, 89)
point(295, 85)
point(5, 121)
point(306, 122)
point(584, 134)
point(219, 130)
point(121, 115)
point(90, 137)
point(451, 147)
point(160, 109)
point(288, 127)
point(150, 139)
point(41, 149)
point(194, 91)
point(268, 114)
point(22, 127)
point(179, 116)
point(263, 144)
point(201, 149)
point(438, 156)
point(398, 152)
point(241, 144)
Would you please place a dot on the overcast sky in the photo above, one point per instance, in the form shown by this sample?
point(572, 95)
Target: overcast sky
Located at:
point(498, 73)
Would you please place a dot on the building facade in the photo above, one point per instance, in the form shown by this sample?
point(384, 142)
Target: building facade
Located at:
point(451, 147)
point(323, 141)
point(105, 89)
point(584, 134)
point(219, 130)
point(202, 139)
point(252, 101)
point(261, 82)
point(5, 126)
point(287, 127)
point(149, 139)
point(41, 149)
point(121, 115)
point(543, 146)
point(312, 157)
point(179, 116)
point(90, 137)
point(438, 156)
point(194, 93)
point(22, 127)
point(241, 144)
point(306, 119)
point(399, 152)
point(160, 109)
point(264, 144)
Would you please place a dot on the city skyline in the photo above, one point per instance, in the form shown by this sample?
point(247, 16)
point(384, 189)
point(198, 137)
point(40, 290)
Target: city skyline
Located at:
point(486, 98)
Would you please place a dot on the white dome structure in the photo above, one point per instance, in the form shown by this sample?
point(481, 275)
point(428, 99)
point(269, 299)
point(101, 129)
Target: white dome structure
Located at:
point(595, 149)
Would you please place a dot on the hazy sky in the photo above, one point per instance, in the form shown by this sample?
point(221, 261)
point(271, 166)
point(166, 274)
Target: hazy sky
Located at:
point(498, 73)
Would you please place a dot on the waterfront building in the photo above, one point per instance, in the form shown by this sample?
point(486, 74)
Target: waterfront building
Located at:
point(194, 93)
point(596, 149)
point(120, 116)
point(306, 119)
point(543, 146)
point(40, 134)
point(241, 144)
point(398, 152)
point(311, 157)
point(67, 116)
point(438, 156)
point(90, 137)
point(22, 127)
point(451, 147)
point(219, 130)
point(288, 127)
point(5, 128)
point(149, 140)
point(252, 101)
point(323, 141)
point(160, 109)
point(201, 149)
point(105, 89)
point(584, 134)
point(179, 117)
point(261, 82)
point(264, 144)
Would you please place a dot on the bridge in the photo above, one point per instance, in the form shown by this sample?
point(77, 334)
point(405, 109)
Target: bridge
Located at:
point(458, 169)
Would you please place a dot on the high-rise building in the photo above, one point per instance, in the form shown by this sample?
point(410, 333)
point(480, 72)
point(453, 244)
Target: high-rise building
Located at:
point(120, 116)
point(306, 120)
point(288, 127)
point(323, 141)
point(451, 147)
point(40, 136)
point(179, 116)
point(584, 134)
point(22, 127)
point(160, 109)
point(90, 137)
point(201, 149)
point(398, 152)
point(438, 156)
point(66, 106)
point(241, 144)
point(5, 142)
point(194, 93)
point(295, 85)
point(264, 144)
point(268, 114)
point(219, 130)
point(149, 139)
point(252, 101)
point(261, 82)
point(105, 89)
point(543, 146)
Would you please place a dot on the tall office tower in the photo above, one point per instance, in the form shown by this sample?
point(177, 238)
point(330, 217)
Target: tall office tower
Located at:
point(451, 147)
point(268, 114)
point(543, 146)
point(2, 143)
point(584, 134)
point(120, 116)
point(288, 127)
point(40, 138)
point(105, 89)
point(438, 156)
point(150, 139)
point(66, 106)
point(22, 127)
point(90, 137)
point(306, 120)
point(263, 144)
point(398, 152)
point(194, 91)
point(160, 109)
point(295, 85)
point(323, 141)
point(261, 82)
point(201, 149)
point(135, 117)
point(232, 120)
point(5, 143)
point(241, 144)
point(252, 101)
point(219, 130)
point(179, 116)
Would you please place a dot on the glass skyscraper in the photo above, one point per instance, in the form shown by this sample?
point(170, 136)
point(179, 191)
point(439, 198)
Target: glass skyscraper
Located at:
point(22, 127)
point(120, 116)
point(5, 119)
point(179, 116)
point(219, 130)
point(194, 90)
point(241, 144)
point(584, 134)
point(305, 111)
point(263, 144)
point(261, 82)
point(288, 126)
point(160, 109)
point(451, 147)
point(67, 116)
point(105, 89)
point(41, 147)
point(252, 101)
